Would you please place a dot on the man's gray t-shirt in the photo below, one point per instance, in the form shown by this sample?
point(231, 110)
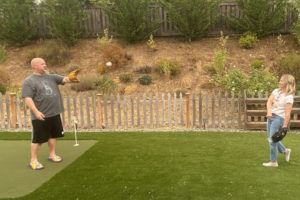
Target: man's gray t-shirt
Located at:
point(45, 93)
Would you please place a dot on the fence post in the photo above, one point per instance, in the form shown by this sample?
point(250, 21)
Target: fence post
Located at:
point(187, 110)
point(99, 105)
point(13, 109)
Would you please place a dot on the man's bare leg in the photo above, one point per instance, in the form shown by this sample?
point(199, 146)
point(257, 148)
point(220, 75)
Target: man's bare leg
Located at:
point(35, 148)
point(51, 145)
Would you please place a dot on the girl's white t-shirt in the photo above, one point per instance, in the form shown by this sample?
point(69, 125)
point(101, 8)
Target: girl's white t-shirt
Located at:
point(279, 102)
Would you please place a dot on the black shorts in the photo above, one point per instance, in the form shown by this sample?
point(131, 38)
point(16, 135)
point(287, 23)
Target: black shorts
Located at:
point(49, 128)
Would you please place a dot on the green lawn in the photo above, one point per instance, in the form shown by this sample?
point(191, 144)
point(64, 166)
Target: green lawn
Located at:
point(174, 166)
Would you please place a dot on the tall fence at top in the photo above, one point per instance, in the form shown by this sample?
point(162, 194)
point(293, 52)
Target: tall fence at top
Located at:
point(97, 21)
point(207, 110)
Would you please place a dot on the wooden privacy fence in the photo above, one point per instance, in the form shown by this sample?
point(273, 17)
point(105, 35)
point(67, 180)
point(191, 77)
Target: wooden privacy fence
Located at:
point(208, 110)
point(97, 21)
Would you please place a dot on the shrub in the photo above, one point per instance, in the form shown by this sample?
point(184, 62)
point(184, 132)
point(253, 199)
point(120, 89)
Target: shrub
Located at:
point(18, 22)
point(145, 80)
point(261, 17)
point(296, 28)
point(219, 61)
point(129, 19)
point(4, 77)
point(180, 91)
point(125, 77)
point(248, 40)
point(191, 18)
point(105, 40)
point(233, 80)
point(115, 54)
point(55, 53)
point(209, 69)
point(3, 53)
point(64, 17)
point(144, 70)
point(168, 67)
point(106, 86)
point(151, 43)
point(288, 65)
point(261, 81)
point(257, 64)
point(2, 89)
point(86, 83)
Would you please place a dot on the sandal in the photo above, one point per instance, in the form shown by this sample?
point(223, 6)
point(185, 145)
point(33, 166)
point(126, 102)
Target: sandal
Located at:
point(55, 159)
point(36, 166)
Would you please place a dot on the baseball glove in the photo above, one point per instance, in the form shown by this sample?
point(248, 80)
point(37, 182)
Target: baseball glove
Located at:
point(279, 135)
point(73, 76)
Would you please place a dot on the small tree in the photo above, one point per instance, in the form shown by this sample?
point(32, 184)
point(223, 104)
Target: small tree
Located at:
point(261, 17)
point(296, 28)
point(191, 18)
point(17, 21)
point(64, 17)
point(130, 18)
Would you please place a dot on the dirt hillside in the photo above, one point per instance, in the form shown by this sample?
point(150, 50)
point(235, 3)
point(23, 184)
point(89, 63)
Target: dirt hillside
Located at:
point(192, 56)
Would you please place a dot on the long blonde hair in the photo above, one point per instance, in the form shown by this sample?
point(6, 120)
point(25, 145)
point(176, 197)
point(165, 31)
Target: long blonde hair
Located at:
point(290, 87)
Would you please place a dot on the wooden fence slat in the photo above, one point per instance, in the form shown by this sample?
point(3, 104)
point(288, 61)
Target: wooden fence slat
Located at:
point(151, 111)
point(2, 111)
point(8, 111)
point(181, 109)
point(200, 110)
point(194, 109)
point(163, 107)
point(94, 111)
point(187, 123)
point(105, 110)
point(81, 110)
point(232, 109)
point(157, 110)
point(144, 110)
point(206, 121)
point(25, 114)
point(119, 110)
point(239, 111)
point(132, 110)
point(169, 109)
point(138, 111)
point(125, 111)
point(219, 109)
point(175, 109)
point(213, 110)
point(68, 110)
point(88, 111)
point(18, 102)
point(112, 111)
point(75, 106)
point(13, 109)
point(226, 110)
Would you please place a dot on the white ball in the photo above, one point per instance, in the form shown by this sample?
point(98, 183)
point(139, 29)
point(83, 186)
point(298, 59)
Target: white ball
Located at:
point(108, 64)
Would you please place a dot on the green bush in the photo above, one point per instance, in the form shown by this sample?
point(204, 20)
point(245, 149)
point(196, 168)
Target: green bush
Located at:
point(233, 80)
point(261, 81)
point(55, 53)
point(191, 18)
point(106, 86)
point(86, 83)
point(125, 77)
point(219, 61)
point(248, 40)
point(144, 70)
point(129, 19)
point(168, 67)
point(3, 53)
point(288, 65)
point(64, 16)
point(262, 17)
point(18, 22)
point(180, 91)
point(257, 64)
point(2, 89)
point(145, 80)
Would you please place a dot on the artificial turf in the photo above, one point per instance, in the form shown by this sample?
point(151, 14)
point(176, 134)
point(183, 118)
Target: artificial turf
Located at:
point(175, 166)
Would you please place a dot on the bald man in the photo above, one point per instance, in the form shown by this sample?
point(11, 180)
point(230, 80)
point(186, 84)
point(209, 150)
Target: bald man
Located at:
point(42, 96)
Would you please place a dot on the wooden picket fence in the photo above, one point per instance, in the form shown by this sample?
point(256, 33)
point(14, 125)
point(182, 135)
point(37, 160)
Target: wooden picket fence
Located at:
point(97, 21)
point(203, 111)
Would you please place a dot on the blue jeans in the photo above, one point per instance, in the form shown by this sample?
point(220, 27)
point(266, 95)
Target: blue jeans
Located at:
point(273, 125)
